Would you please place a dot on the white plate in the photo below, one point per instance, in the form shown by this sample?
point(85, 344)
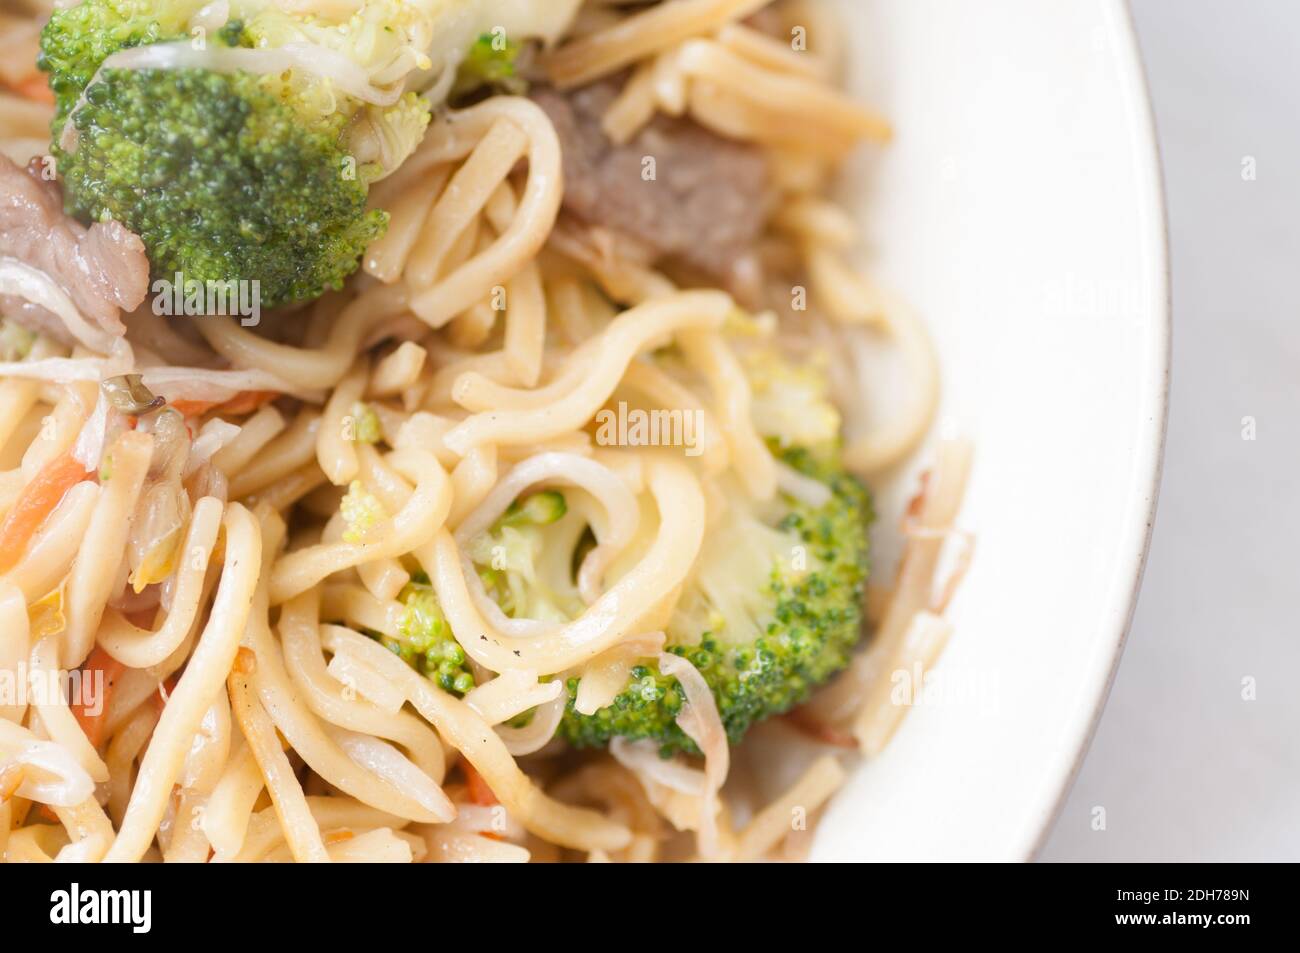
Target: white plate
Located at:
point(1020, 209)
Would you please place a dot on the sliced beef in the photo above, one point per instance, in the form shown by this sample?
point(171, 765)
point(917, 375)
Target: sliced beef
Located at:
point(706, 205)
point(103, 268)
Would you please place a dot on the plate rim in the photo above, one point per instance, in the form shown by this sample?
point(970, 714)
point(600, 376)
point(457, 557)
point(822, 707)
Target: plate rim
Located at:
point(1119, 18)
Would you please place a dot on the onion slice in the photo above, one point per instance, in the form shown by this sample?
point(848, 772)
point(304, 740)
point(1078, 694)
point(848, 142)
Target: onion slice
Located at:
point(511, 694)
point(537, 733)
point(213, 435)
point(89, 448)
point(642, 759)
point(802, 487)
point(50, 774)
point(700, 720)
point(386, 762)
point(310, 58)
point(31, 284)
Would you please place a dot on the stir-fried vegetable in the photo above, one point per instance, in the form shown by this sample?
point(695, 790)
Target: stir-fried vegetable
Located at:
point(128, 395)
point(361, 511)
point(492, 63)
point(245, 402)
point(163, 510)
point(37, 501)
point(100, 665)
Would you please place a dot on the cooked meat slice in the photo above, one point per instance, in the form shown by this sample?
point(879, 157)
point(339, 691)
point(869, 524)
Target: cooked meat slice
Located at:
point(103, 268)
point(706, 204)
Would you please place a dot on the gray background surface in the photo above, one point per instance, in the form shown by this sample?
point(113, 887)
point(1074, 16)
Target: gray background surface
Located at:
point(1184, 766)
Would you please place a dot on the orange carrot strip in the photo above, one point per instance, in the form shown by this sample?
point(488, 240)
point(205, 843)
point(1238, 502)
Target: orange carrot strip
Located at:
point(35, 88)
point(245, 402)
point(479, 792)
point(93, 724)
point(191, 408)
point(37, 500)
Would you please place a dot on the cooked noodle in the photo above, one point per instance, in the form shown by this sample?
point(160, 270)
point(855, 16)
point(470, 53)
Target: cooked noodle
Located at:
point(232, 571)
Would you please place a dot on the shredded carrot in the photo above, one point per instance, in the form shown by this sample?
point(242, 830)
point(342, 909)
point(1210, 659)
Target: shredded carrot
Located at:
point(917, 503)
point(36, 88)
point(37, 500)
point(191, 408)
point(93, 723)
point(479, 792)
point(245, 402)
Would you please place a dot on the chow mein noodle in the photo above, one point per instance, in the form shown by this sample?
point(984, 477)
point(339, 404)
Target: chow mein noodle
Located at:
point(496, 549)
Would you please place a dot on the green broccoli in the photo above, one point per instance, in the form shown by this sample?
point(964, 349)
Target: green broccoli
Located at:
point(773, 609)
point(510, 563)
point(491, 62)
point(361, 512)
point(366, 425)
point(791, 403)
point(773, 606)
point(228, 174)
point(539, 509)
point(425, 641)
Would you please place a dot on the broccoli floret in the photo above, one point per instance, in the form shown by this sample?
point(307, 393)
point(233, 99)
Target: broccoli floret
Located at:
point(219, 180)
point(506, 556)
point(539, 509)
point(361, 512)
point(230, 175)
point(366, 426)
point(491, 62)
point(77, 39)
point(425, 641)
point(510, 559)
point(773, 609)
point(791, 402)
